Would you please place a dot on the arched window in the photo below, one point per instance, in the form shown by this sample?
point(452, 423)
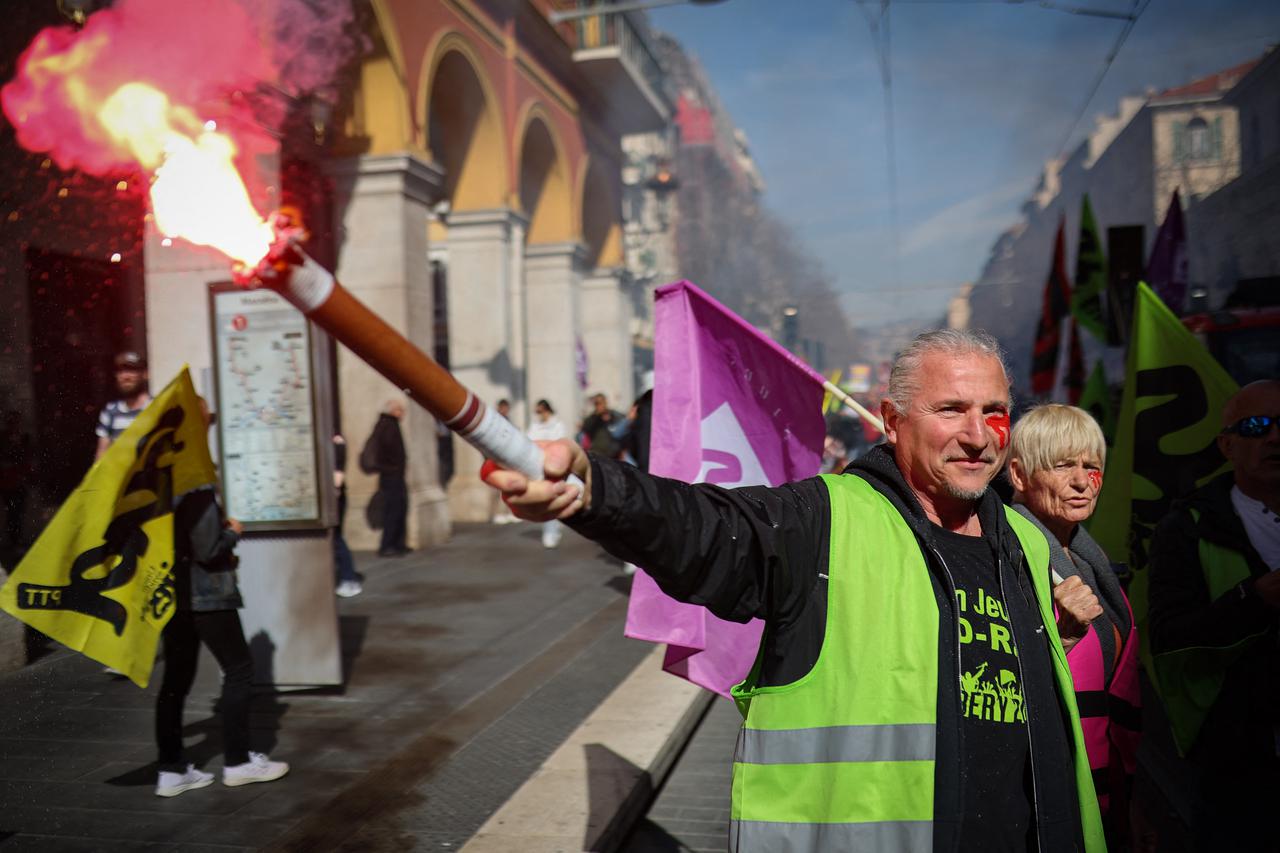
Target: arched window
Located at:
point(1198, 140)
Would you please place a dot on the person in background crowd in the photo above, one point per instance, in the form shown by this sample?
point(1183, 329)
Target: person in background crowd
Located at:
point(500, 514)
point(600, 428)
point(1215, 607)
point(207, 598)
point(547, 427)
point(1056, 459)
point(911, 691)
point(834, 456)
point(389, 461)
point(131, 385)
point(348, 579)
point(636, 441)
point(116, 416)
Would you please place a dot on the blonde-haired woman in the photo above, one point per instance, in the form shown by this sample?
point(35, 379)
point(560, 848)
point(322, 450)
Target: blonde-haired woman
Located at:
point(1056, 458)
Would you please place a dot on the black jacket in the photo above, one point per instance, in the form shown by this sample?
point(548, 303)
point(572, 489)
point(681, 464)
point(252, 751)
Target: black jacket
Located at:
point(1240, 728)
point(758, 551)
point(387, 451)
point(204, 561)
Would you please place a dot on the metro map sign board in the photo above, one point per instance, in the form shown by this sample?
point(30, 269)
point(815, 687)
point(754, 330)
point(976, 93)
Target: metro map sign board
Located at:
point(263, 372)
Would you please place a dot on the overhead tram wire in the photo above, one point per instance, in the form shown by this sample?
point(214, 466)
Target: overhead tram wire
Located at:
point(1135, 12)
point(880, 37)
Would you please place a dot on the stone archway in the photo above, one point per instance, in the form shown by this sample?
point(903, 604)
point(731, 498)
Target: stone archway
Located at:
point(601, 226)
point(544, 191)
point(463, 128)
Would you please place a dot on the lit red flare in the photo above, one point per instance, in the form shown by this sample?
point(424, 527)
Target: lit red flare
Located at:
point(121, 95)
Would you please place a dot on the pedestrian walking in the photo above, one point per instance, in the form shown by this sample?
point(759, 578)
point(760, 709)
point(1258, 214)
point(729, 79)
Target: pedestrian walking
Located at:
point(347, 581)
point(547, 427)
point(384, 454)
point(207, 599)
point(911, 691)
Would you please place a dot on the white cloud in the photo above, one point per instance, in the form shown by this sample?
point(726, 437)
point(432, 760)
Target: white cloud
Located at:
point(979, 217)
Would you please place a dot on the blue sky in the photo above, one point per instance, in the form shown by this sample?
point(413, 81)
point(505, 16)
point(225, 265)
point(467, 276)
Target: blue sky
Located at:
point(984, 93)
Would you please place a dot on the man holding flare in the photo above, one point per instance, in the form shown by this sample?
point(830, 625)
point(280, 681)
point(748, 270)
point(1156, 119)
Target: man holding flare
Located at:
point(911, 691)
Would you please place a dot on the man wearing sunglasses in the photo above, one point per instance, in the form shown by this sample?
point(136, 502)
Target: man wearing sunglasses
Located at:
point(1215, 608)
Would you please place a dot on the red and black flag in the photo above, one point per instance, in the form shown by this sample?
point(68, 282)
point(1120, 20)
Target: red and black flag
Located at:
point(1075, 379)
point(1057, 304)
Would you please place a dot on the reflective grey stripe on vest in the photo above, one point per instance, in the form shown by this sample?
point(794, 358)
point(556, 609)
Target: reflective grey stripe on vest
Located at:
point(751, 836)
point(827, 744)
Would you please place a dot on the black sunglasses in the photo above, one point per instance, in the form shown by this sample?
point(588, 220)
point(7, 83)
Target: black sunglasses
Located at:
point(1254, 426)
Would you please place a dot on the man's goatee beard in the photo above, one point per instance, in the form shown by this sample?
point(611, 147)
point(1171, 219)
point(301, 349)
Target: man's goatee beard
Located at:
point(964, 494)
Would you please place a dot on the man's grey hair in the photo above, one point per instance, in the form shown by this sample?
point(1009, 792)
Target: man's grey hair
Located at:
point(904, 379)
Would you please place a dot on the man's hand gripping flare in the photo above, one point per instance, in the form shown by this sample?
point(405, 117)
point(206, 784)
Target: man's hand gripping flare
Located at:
point(551, 498)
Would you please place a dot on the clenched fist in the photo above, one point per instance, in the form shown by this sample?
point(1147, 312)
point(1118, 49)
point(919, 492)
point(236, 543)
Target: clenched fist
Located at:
point(1077, 607)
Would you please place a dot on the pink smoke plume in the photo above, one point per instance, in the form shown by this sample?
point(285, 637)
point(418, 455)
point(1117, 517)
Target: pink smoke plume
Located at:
point(211, 57)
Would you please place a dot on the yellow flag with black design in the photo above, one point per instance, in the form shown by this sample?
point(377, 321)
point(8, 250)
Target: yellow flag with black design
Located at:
point(1165, 442)
point(99, 579)
point(829, 402)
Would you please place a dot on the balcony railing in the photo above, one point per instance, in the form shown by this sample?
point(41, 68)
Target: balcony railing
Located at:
point(616, 34)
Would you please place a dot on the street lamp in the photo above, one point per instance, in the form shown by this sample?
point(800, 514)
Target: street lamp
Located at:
point(790, 327)
point(560, 16)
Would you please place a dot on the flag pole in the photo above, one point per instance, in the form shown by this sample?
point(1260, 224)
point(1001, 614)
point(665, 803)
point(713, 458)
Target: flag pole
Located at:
point(834, 391)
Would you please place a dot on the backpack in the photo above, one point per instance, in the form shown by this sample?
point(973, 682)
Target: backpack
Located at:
point(369, 456)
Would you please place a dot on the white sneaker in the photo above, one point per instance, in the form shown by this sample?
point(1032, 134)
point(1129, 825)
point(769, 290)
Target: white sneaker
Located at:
point(349, 589)
point(259, 768)
point(172, 784)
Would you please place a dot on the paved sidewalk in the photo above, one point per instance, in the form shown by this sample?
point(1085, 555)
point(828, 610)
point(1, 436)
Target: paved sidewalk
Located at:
point(467, 665)
point(691, 811)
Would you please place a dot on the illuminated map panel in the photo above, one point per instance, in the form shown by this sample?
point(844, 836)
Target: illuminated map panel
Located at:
point(266, 430)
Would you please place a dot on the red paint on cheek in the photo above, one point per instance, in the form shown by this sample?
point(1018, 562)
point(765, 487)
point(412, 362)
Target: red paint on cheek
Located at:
point(999, 424)
point(1095, 480)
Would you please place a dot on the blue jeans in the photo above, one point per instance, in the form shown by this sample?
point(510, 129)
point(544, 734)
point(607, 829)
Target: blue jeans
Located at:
point(343, 564)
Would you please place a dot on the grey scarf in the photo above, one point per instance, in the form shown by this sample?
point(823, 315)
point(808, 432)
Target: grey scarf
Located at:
point(1088, 560)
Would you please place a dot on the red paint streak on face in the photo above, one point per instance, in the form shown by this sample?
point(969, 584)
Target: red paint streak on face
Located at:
point(1095, 480)
point(999, 423)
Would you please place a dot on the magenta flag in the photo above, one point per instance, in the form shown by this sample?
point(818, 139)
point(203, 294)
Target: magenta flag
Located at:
point(1167, 267)
point(730, 407)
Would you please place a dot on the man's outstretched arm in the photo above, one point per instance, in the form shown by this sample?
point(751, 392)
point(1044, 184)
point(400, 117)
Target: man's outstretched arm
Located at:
point(753, 551)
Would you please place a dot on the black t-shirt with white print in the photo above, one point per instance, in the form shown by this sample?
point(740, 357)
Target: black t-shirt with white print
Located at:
point(996, 761)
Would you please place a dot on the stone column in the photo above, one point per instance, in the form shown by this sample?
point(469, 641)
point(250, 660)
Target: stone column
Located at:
point(484, 335)
point(382, 203)
point(553, 283)
point(606, 333)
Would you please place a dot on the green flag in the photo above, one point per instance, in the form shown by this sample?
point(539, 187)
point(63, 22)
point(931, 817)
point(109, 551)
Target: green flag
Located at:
point(1091, 275)
point(1096, 400)
point(1165, 443)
